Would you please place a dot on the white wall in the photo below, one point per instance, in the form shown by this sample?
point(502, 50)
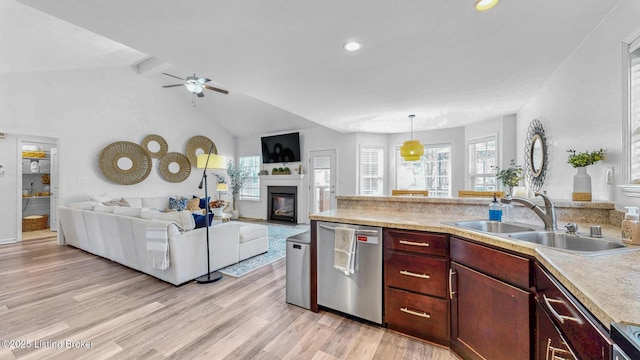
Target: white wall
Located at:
point(580, 106)
point(87, 110)
point(318, 138)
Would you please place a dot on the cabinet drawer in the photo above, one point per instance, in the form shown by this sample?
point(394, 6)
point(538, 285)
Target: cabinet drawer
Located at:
point(512, 269)
point(584, 334)
point(417, 273)
point(416, 241)
point(417, 315)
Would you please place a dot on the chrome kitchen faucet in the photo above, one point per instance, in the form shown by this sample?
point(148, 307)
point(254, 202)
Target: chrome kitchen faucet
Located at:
point(548, 215)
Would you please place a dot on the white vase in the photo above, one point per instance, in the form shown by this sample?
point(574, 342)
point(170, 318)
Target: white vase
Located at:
point(581, 185)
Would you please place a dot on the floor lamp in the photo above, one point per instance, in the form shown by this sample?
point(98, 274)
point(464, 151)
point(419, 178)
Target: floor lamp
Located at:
point(207, 162)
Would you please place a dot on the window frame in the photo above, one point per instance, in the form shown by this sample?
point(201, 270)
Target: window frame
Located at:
point(432, 193)
point(471, 175)
point(380, 176)
point(254, 171)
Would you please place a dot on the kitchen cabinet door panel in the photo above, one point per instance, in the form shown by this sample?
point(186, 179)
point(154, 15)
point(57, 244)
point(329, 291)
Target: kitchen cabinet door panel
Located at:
point(490, 319)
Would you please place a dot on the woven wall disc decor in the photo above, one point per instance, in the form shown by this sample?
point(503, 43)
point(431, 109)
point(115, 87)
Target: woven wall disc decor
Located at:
point(198, 142)
point(132, 153)
point(148, 141)
point(183, 171)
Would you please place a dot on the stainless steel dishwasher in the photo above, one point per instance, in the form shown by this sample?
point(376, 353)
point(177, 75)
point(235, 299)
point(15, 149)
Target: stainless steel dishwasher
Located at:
point(358, 294)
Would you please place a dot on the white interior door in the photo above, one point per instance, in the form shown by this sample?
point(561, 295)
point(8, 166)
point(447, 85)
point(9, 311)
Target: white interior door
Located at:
point(322, 181)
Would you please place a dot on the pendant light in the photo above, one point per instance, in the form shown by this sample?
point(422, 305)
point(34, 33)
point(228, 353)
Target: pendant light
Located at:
point(411, 150)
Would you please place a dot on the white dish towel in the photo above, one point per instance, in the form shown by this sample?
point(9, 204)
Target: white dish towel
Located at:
point(345, 250)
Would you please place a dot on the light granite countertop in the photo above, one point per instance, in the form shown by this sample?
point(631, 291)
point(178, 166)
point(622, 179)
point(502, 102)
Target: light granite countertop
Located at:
point(608, 285)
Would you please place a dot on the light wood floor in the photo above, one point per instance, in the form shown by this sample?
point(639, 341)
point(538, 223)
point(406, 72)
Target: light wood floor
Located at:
point(52, 294)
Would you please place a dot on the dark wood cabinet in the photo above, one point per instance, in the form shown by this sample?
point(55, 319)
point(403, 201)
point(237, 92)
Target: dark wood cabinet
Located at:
point(584, 334)
point(550, 344)
point(490, 318)
point(416, 284)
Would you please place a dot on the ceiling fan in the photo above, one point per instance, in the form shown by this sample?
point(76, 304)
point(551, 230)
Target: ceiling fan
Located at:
point(195, 84)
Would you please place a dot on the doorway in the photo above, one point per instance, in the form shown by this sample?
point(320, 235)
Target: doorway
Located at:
point(37, 187)
point(322, 170)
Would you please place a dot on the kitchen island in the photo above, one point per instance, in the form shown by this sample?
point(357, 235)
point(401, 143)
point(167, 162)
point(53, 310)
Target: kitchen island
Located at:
point(607, 286)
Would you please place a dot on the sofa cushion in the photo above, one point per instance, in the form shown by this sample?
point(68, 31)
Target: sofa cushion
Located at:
point(156, 202)
point(84, 205)
point(250, 232)
point(135, 202)
point(104, 209)
point(203, 202)
point(182, 218)
point(127, 211)
point(116, 202)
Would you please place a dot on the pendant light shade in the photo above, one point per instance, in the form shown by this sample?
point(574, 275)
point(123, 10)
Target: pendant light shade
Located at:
point(411, 150)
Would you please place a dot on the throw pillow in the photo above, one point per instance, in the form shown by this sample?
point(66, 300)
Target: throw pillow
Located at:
point(200, 220)
point(178, 204)
point(193, 205)
point(203, 202)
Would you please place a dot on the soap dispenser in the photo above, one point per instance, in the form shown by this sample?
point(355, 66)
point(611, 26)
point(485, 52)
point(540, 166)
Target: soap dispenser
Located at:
point(495, 210)
point(630, 225)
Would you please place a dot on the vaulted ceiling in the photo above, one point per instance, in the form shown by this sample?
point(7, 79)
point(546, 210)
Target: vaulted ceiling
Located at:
point(440, 59)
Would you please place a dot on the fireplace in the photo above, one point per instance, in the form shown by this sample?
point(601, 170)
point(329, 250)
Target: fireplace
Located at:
point(282, 203)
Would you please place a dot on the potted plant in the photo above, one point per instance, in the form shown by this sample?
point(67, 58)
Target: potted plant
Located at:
point(237, 179)
point(582, 180)
point(510, 177)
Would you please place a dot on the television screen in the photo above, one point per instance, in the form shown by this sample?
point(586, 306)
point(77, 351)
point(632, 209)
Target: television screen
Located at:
point(282, 148)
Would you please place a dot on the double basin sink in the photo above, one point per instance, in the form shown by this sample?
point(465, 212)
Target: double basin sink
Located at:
point(574, 243)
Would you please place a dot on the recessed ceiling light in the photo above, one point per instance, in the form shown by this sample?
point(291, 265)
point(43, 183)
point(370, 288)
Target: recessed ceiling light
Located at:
point(352, 46)
point(483, 5)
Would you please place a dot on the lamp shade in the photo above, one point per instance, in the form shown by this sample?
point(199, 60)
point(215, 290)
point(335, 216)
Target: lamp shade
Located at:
point(412, 150)
point(215, 162)
point(222, 187)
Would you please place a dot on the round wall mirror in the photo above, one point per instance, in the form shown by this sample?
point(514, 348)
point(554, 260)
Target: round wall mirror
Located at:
point(536, 158)
point(155, 145)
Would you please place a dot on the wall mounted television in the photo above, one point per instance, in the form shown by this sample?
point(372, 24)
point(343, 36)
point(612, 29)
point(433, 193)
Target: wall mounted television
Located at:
point(283, 148)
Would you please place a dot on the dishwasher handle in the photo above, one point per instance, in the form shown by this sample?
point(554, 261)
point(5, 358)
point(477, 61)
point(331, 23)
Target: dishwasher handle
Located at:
point(358, 232)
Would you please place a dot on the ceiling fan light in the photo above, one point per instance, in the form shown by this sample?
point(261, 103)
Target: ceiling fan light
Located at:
point(194, 87)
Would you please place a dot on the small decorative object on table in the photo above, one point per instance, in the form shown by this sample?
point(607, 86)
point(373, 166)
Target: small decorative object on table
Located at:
point(582, 180)
point(216, 207)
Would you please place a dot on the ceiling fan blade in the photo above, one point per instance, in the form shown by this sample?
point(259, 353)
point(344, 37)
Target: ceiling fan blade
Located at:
point(173, 76)
point(215, 89)
point(200, 94)
point(168, 86)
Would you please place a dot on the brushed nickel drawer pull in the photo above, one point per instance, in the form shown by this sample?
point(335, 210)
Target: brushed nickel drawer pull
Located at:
point(421, 276)
point(413, 243)
point(420, 314)
point(555, 314)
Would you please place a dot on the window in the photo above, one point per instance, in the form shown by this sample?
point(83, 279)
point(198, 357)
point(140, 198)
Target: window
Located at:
point(371, 171)
point(432, 172)
point(251, 188)
point(631, 127)
point(482, 164)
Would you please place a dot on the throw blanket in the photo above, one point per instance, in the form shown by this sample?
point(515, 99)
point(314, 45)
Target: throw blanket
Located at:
point(157, 246)
point(344, 250)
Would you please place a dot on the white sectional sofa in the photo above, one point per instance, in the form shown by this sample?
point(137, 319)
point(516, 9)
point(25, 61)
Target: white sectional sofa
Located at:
point(121, 235)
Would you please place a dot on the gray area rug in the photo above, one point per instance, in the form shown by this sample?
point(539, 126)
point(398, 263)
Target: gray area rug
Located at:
point(277, 250)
